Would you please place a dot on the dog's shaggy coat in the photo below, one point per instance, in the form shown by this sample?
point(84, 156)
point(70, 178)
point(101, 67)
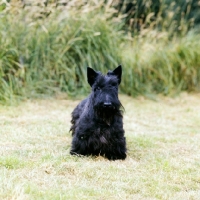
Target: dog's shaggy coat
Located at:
point(97, 126)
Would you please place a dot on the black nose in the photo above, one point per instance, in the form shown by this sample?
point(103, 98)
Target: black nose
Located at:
point(107, 104)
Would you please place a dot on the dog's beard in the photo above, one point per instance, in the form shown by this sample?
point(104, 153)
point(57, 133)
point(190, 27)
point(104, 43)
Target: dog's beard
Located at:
point(106, 115)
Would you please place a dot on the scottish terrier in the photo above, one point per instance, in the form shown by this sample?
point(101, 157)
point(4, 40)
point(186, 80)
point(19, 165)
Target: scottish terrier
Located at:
point(97, 126)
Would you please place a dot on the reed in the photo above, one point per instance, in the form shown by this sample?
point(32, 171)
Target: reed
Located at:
point(45, 49)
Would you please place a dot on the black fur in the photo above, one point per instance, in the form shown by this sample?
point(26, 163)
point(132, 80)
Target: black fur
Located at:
point(97, 126)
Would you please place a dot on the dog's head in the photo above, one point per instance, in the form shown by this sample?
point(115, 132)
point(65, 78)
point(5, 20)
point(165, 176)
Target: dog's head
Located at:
point(105, 93)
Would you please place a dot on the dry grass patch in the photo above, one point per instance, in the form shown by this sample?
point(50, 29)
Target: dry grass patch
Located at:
point(163, 158)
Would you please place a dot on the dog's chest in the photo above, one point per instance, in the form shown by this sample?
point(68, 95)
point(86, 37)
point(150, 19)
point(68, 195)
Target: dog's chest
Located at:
point(102, 134)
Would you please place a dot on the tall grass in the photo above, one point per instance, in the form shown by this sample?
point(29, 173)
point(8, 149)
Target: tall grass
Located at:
point(41, 55)
point(162, 66)
point(45, 49)
point(160, 14)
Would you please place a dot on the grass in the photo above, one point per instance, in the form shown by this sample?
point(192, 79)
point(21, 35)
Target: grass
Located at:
point(162, 163)
point(45, 55)
point(155, 65)
point(45, 50)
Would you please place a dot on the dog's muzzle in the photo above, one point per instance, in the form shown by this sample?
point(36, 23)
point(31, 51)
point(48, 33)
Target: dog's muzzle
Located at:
point(108, 105)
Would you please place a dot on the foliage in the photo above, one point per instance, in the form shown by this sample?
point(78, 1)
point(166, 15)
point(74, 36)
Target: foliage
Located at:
point(162, 14)
point(40, 55)
point(45, 49)
point(162, 67)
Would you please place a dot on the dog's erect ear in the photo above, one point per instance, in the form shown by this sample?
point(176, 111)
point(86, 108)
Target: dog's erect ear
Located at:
point(118, 72)
point(91, 75)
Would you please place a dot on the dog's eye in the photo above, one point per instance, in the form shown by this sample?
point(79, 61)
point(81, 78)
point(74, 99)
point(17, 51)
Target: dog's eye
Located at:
point(97, 89)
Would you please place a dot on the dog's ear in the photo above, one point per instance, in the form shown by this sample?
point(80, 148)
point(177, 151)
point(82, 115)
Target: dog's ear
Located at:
point(118, 72)
point(91, 76)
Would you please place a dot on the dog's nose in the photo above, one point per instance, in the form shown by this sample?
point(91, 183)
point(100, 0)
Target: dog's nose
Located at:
point(107, 104)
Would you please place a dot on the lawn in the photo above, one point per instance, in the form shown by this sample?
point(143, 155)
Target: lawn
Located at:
point(163, 139)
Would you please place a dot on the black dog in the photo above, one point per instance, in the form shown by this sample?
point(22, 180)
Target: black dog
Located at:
point(97, 126)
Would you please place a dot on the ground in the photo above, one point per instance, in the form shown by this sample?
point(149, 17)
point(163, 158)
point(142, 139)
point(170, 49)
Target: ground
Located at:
point(163, 152)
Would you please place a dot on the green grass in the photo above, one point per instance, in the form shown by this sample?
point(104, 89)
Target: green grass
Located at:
point(162, 163)
point(159, 66)
point(45, 50)
point(43, 56)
